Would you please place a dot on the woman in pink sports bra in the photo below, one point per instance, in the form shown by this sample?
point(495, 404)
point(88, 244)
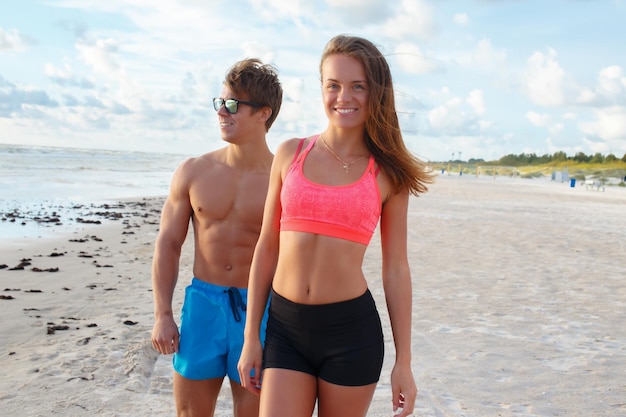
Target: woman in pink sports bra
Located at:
point(324, 343)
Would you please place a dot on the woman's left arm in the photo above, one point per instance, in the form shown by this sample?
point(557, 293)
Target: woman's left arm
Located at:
point(399, 297)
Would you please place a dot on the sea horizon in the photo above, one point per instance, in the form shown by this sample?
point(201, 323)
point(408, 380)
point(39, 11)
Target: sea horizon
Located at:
point(48, 181)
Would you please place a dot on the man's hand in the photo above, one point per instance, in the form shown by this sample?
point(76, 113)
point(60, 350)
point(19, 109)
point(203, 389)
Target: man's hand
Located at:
point(165, 335)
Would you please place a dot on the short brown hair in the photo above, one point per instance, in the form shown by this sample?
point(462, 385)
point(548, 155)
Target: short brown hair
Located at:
point(259, 82)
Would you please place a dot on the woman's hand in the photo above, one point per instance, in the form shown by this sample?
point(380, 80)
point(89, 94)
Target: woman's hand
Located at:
point(249, 365)
point(404, 390)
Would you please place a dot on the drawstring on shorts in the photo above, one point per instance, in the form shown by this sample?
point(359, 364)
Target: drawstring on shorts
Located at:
point(236, 302)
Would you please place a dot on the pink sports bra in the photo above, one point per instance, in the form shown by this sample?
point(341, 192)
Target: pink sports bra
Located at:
point(348, 212)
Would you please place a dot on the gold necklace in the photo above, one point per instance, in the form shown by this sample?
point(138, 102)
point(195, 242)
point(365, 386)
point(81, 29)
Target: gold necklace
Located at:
point(345, 165)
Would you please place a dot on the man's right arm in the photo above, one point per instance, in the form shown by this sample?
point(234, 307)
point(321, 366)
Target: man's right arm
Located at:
point(173, 228)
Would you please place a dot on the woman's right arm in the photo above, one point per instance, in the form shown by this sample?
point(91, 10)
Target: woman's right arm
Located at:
point(262, 271)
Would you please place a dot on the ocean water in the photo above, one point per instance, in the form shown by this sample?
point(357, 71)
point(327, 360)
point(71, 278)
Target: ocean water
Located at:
point(44, 180)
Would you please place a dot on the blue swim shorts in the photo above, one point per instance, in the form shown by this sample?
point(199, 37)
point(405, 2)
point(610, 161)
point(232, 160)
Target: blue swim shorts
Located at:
point(211, 331)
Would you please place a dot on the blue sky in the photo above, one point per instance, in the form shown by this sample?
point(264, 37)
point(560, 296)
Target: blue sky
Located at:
point(473, 78)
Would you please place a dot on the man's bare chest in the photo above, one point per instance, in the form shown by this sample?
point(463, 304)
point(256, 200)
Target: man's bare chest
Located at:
point(229, 199)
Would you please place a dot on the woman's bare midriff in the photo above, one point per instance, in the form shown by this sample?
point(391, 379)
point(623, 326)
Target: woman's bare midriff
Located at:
point(316, 269)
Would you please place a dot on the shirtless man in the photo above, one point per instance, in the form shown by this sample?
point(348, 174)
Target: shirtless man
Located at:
point(222, 193)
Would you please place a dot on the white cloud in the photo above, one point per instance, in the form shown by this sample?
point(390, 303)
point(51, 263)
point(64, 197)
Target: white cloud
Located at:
point(538, 119)
point(556, 128)
point(63, 74)
point(612, 80)
point(15, 99)
point(100, 55)
point(461, 19)
point(484, 57)
point(609, 90)
point(545, 121)
point(12, 41)
point(610, 125)
point(414, 19)
point(586, 96)
point(458, 116)
point(448, 117)
point(108, 65)
point(412, 60)
point(66, 77)
point(545, 79)
point(360, 12)
point(485, 125)
point(256, 49)
point(477, 101)
point(280, 8)
point(612, 85)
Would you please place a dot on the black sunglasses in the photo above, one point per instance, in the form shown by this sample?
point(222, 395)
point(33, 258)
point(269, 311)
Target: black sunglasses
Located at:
point(231, 105)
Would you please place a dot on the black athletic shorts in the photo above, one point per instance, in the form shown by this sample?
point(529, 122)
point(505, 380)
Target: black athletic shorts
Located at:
point(341, 343)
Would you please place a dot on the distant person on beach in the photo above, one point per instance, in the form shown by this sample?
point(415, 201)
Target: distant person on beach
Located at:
point(222, 194)
point(327, 193)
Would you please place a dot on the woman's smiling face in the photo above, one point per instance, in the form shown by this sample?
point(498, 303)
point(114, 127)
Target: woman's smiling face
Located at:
point(345, 91)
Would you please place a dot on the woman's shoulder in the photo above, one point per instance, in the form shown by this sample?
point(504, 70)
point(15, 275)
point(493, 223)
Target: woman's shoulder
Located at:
point(288, 144)
point(290, 148)
point(293, 143)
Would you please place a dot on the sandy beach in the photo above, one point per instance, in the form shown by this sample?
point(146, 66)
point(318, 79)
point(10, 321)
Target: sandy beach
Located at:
point(519, 290)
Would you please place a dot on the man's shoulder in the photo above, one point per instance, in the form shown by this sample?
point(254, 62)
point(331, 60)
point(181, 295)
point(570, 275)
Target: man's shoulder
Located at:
point(205, 160)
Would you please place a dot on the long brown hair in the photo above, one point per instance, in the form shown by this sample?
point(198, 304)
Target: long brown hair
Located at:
point(382, 129)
